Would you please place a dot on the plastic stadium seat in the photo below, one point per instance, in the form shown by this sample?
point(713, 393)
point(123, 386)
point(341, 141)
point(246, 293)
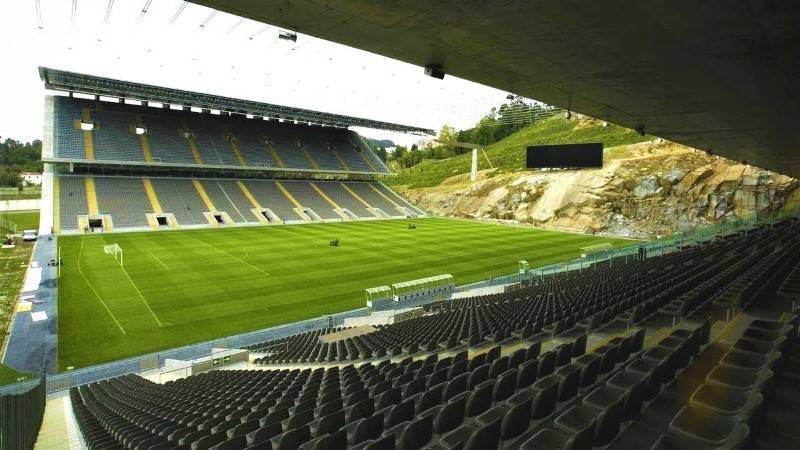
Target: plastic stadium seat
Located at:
point(417, 434)
point(478, 376)
point(568, 381)
point(517, 358)
point(545, 396)
point(634, 386)
point(653, 370)
point(430, 398)
point(486, 437)
point(451, 415)
point(563, 354)
point(700, 424)
point(550, 439)
point(578, 421)
point(527, 373)
point(364, 429)
point(480, 399)
point(547, 363)
point(505, 386)
point(533, 350)
point(589, 368)
point(723, 400)
point(609, 404)
point(498, 366)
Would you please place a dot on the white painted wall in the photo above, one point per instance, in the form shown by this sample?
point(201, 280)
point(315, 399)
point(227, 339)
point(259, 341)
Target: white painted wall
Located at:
point(19, 205)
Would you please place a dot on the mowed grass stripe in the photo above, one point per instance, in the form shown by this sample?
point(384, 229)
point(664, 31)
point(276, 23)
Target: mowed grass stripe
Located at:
point(204, 284)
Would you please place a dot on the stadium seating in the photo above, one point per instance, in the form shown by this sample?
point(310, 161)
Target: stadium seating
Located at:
point(624, 294)
point(568, 362)
point(188, 139)
point(126, 201)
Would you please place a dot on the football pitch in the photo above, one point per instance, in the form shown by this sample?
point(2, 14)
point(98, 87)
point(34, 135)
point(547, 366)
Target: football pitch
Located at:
point(182, 287)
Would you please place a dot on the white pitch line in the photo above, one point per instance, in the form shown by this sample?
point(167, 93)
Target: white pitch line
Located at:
point(232, 256)
point(144, 300)
point(146, 304)
point(113, 317)
point(157, 259)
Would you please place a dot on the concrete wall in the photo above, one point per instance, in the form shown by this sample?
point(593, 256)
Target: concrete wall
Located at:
point(19, 205)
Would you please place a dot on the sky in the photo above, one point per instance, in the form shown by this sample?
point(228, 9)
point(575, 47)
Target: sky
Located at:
point(186, 46)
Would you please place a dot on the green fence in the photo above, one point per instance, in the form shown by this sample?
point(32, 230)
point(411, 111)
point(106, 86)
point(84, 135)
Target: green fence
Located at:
point(21, 415)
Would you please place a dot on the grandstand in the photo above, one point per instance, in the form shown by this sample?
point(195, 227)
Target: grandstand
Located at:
point(232, 168)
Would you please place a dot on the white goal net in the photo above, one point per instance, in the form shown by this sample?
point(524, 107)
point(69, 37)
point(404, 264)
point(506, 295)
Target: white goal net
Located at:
point(116, 250)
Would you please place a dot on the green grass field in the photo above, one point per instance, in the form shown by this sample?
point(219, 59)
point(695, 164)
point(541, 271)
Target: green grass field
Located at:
point(21, 220)
point(184, 287)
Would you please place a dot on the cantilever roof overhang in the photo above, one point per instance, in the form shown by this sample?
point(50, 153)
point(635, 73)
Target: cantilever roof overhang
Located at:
point(72, 82)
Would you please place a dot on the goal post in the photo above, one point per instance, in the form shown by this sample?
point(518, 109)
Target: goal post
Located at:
point(116, 250)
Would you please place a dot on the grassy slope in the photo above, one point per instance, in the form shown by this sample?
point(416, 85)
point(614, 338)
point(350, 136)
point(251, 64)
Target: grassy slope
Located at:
point(509, 153)
point(9, 375)
point(203, 284)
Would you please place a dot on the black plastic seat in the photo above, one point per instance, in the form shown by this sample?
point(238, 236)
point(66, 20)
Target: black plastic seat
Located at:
point(749, 360)
point(480, 399)
point(547, 363)
point(739, 378)
point(568, 382)
point(451, 415)
point(545, 396)
point(726, 400)
point(527, 373)
point(634, 385)
point(417, 434)
point(486, 437)
point(713, 430)
point(563, 354)
point(505, 386)
point(579, 421)
point(364, 429)
point(590, 368)
point(478, 376)
point(550, 439)
point(608, 401)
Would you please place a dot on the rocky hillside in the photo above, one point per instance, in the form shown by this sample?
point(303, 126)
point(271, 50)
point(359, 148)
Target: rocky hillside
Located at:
point(644, 189)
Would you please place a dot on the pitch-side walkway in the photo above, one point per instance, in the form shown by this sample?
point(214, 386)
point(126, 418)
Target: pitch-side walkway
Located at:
point(33, 342)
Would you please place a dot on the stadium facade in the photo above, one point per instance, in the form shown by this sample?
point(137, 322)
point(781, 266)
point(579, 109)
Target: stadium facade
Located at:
point(122, 156)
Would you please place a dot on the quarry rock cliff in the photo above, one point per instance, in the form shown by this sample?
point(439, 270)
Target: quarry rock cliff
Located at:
point(644, 189)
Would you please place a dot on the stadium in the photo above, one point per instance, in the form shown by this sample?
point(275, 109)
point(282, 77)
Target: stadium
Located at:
point(607, 260)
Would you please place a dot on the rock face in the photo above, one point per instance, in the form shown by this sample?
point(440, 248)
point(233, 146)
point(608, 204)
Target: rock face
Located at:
point(643, 190)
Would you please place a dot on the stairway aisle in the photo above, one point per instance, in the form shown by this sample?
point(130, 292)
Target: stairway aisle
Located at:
point(655, 419)
point(59, 423)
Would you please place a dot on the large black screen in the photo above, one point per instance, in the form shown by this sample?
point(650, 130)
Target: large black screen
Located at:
point(565, 156)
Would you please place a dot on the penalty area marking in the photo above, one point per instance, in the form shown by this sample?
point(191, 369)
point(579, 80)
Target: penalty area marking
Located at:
point(157, 259)
point(80, 271)
point(144, 300)
point(232, 256)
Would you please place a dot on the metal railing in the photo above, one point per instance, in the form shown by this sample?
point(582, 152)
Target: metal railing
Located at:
point(137, 365)
point(656, 247)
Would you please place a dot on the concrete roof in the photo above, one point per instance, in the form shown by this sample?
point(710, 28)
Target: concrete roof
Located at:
point(717, 74)
point(99, 86)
